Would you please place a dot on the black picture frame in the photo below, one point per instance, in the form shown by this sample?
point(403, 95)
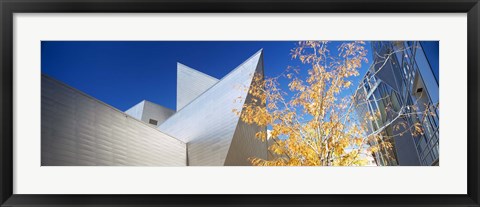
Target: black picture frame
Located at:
point(9, 7)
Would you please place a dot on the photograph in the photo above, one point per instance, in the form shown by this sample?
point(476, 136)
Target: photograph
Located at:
point(240, 103)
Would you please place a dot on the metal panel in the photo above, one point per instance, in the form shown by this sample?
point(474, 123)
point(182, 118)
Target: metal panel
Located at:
point(245, 146)
point(405, 149)
point(190, 84)
point(426, 72)
point(405, 145)
point(156, 112)
point(136, 111)
point(207, 123)
point(147, 110)
point(79, 130)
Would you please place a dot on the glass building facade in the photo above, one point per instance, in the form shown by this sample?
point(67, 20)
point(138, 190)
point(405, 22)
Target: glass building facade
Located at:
point(401, 91)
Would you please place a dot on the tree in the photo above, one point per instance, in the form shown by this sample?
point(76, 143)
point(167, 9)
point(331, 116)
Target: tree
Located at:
point(314, 122)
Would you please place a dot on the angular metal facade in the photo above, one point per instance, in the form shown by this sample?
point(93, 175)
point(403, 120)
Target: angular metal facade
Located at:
point(208, 123)
point(190, 84)
point(136, 111)
point(78, 130)
point(150, 113)
point(245, 145)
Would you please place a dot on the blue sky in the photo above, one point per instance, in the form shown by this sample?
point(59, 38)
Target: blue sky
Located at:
point(123, 73)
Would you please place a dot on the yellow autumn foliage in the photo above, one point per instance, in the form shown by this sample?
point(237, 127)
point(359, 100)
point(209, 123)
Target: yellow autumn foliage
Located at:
point(313, 123)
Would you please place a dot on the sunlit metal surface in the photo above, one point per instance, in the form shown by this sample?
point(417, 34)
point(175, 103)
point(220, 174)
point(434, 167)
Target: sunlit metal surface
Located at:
point(207, 123)
point(190, 84)
point(147, 111)
point(79, 130)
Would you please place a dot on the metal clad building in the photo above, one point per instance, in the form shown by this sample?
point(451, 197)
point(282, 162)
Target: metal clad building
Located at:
point(150, 113)
point(79, 130)
point(190, 84)
point(208, 123)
